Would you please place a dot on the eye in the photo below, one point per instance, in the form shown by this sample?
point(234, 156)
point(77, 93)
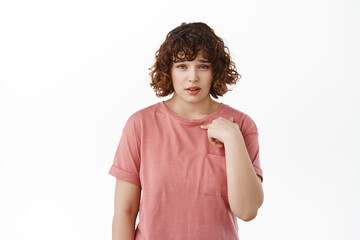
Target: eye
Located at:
point(204, 66)
point(181, 66)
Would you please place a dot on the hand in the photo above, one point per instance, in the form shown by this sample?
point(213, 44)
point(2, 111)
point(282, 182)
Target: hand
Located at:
point(220, 129)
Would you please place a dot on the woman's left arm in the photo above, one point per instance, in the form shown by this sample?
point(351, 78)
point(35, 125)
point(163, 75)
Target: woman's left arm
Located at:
point(245, 191)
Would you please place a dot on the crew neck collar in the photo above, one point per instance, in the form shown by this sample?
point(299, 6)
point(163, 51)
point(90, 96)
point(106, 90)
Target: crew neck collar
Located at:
point(192, 121)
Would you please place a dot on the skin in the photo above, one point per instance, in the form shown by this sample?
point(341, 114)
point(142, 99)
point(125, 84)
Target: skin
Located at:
point(245, 192)
point(192, 73)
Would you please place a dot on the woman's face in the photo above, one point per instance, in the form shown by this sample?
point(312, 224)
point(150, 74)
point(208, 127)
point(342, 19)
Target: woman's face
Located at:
point(197, 73)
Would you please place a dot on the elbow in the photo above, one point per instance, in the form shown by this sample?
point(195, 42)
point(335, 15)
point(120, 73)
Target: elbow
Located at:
point(246, 213)
point(246, 217)
point(249, 211)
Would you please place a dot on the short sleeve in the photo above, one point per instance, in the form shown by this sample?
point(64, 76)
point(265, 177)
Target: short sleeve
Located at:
point(251, 137)
point(126, 163)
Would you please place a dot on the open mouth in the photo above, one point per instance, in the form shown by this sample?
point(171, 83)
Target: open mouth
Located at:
point(193, 90)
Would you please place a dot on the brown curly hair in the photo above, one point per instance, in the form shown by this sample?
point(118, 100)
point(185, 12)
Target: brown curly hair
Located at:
point(188, 39)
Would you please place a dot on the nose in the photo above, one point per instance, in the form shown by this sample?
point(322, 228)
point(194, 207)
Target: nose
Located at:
point(193, 75)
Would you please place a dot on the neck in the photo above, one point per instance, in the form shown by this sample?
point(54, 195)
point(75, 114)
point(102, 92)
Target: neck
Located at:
point(192, 109)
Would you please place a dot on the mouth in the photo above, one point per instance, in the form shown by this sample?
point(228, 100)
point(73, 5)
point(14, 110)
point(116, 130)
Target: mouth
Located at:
point(193, 90)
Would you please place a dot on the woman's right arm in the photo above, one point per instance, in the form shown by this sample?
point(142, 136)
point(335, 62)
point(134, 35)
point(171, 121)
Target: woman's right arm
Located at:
point(126, 207)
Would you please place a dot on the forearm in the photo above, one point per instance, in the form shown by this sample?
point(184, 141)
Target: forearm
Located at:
point(123, 226)
point(245, 190)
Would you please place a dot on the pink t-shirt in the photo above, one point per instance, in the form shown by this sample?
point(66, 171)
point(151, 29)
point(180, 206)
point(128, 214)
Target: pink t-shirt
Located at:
point(182, 175)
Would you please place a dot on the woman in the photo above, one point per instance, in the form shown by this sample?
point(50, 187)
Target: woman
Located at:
point(196, 160)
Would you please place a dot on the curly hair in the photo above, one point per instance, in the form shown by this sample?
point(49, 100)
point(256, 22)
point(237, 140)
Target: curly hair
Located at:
point(188, 40)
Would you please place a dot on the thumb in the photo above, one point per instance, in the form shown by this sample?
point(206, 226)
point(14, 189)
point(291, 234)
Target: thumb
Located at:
point(205, 126)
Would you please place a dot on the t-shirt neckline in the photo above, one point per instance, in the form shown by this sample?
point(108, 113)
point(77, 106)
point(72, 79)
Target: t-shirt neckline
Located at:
point(193, 121)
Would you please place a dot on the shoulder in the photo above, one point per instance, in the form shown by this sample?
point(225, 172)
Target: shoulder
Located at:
point(144, 112)
point(137, 118)
point(246, 123)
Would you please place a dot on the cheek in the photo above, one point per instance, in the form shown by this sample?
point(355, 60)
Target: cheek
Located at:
point(176, 81)
point(209, 79)
point(177, 78)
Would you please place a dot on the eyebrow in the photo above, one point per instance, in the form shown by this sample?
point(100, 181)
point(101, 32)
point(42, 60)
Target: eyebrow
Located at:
point(204, 61)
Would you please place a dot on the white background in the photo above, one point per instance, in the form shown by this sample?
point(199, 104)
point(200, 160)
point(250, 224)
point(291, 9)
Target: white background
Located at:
point(72, 72)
